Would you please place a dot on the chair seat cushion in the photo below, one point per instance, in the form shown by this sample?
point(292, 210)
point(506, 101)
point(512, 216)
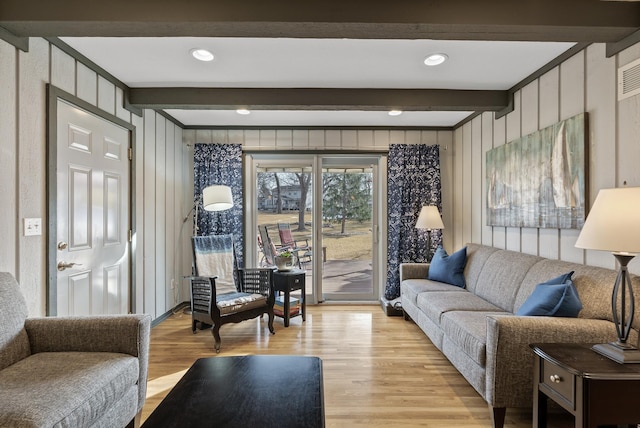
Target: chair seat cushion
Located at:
point(66, 389)
point(237, 302)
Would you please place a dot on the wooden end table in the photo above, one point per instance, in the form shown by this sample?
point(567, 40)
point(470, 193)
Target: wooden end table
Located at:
point(593, 388)
point(286, 282)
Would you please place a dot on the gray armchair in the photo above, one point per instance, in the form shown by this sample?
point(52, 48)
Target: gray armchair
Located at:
point(70, 372)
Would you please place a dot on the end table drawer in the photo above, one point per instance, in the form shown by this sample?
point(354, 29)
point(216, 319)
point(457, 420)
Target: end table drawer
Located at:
point(559, 380)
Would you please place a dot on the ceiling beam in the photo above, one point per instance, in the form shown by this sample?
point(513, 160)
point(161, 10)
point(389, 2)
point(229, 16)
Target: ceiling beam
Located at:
point(318, 99)
point(542, 20)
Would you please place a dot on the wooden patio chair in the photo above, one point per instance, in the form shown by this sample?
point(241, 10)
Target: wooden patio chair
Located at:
point(303, 251)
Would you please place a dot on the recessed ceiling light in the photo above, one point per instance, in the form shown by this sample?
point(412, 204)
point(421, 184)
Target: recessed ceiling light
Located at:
point(243, 111)
point(395, 112)
point(435, 59)
point(201, 54)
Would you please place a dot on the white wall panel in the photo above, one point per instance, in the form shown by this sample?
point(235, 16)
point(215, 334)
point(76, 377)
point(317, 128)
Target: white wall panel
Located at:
point(477, 178)
point(332, 139)
point(149, 195)
point(349, 139)
point(284, 139)
point(160, 214)
point(513, 132)
point(251, 139)
point(381, 139)
point(365, 140)
point(499, 138)
point(106, 95)
point(458, 183)
point(86, 84)
point(529, 124)
point(121, 112)
point(300, 139)
point(572, 102)
point(601, 107)
point(412, 137)
point(445, 140)
point(170, 226)
point(549, 113)
point(63, 70)
point(138, 227)
point(487, 144)
point(397, 137)
point(467, 182)
point(9, 224)
point(267, 138)
point(33, 73)
point(316, 138)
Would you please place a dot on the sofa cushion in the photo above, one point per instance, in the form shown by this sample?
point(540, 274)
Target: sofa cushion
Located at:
point(552, 299)
point(502, 275)
point(477, 256)
point(66, 389)
point(468, 331)
point(435, 304)
point(448, 268)
point(237, 302)
point(412, 287)
point(14, 341)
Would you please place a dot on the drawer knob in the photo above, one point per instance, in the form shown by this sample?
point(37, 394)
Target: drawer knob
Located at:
point(555, 378)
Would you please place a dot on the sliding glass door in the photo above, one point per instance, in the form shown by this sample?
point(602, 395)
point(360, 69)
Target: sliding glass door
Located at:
point(327, 210)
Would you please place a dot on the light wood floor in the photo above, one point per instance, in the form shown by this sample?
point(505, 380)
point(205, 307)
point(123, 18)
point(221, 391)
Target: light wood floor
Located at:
point(378, 370)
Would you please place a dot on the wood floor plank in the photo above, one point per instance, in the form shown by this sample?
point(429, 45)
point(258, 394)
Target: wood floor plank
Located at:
point(379, 371)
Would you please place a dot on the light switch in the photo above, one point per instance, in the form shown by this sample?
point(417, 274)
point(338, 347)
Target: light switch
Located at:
point(32, 226)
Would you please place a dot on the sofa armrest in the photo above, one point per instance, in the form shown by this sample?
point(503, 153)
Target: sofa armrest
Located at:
point(125, 334)
point(413, 271)
point(510, 359)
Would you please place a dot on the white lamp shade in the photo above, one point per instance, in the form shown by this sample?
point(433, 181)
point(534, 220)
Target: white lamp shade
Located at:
point(429, 218)
point(613, 224)
point(217, 198)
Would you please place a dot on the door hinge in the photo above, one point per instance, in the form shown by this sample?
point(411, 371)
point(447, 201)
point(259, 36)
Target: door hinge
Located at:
point(130, 237)
point(130, 153)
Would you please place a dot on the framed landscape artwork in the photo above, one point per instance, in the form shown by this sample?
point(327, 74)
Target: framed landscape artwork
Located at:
point(539, 180)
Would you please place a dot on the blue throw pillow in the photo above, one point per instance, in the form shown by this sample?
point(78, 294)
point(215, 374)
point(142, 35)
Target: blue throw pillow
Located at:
point(554, 298)
point(449, 269)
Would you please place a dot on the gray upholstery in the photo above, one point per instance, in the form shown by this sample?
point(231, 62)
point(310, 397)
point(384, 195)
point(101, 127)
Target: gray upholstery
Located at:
point(69, 372)
point(476, 328)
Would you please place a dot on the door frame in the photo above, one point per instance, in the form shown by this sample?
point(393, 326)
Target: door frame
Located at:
point(53, 95)
point(379, 234)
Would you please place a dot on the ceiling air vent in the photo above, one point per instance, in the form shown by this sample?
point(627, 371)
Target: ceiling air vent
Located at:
point(629, 80)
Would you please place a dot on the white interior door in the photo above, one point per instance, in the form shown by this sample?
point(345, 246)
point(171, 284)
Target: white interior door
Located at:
point(93, 253)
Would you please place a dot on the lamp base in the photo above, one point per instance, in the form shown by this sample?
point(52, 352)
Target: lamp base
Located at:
point(618, 352)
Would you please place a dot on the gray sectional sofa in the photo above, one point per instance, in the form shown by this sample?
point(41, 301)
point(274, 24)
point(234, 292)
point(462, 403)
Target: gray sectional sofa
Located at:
point(70, 372)
point(476, 329)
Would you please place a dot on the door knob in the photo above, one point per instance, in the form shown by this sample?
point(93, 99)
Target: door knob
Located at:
point(62, 245)
point(64, 265)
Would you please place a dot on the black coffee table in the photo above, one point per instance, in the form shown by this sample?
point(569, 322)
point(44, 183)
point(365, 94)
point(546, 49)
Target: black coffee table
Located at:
point(244, 392)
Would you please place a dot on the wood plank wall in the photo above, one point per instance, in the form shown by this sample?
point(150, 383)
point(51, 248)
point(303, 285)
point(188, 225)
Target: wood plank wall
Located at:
point(587, 82)
point(160, 173)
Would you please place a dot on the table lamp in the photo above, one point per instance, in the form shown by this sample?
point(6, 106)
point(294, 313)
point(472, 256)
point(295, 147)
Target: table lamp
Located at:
point(613, 224)
point(429, 219)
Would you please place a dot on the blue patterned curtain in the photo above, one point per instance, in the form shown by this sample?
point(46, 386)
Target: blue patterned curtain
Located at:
point(220, 164)
point(413, 181)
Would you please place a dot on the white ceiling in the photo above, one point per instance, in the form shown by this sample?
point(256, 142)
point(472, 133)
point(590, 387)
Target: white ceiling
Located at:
point(316, 63)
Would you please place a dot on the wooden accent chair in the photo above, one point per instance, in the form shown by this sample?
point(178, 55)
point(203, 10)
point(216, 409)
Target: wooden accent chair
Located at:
point(222, 292)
